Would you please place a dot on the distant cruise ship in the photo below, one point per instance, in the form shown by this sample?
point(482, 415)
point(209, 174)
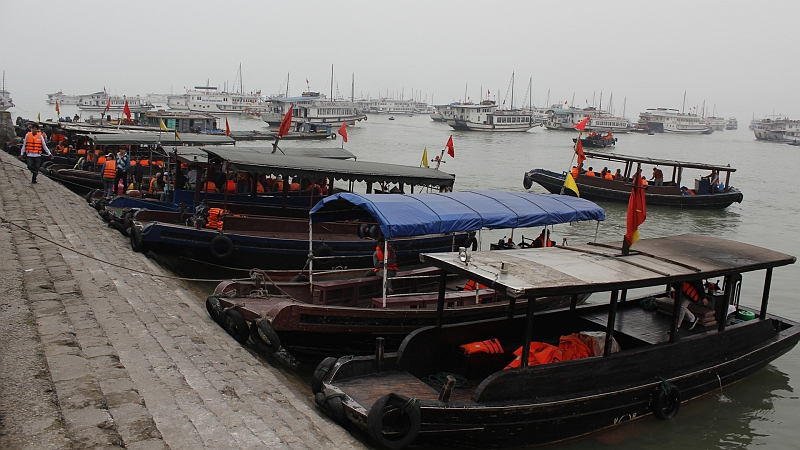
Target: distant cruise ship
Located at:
point(664, 120)
point(601, 121)
point(731, 123)
point(62, 99)
point(207, 99)
point(313, 107)
point(486, 117)
point(100, 100)
point(776, 128)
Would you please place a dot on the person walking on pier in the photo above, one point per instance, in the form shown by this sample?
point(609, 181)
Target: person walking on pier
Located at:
point(32, 147)
point(122, 163)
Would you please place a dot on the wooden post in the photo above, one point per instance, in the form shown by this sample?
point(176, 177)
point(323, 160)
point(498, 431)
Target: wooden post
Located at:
point(512, 304)
point(440, 302)
point(765, 296)
point(528, 333)
point(573, 302)
point(612, 317)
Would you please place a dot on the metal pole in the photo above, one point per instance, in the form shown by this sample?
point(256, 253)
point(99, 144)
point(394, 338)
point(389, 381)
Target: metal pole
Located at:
point(440, 302)
point(528, 332)
point(612, 316)
point(765, 296)
point(385, 258)
point(310, 258)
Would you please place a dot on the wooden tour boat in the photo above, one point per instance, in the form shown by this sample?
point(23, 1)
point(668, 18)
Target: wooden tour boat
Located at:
point(703, 194)
point(314, 318)
point(638, 362)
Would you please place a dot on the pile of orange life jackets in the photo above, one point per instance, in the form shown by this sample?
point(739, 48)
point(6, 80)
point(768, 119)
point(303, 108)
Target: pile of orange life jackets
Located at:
point(569, 347)
point(490, 346)
point(215, 218)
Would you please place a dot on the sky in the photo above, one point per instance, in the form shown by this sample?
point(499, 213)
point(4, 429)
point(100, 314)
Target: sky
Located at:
point(738, 57)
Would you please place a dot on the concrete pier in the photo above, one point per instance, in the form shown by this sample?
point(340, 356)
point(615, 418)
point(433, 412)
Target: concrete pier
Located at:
point(96, 356)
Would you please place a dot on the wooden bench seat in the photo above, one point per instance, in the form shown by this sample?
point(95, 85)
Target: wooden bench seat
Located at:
point(349, 290)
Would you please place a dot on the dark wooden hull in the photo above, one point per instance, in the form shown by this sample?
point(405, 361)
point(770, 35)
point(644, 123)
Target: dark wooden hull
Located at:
point(595, 188)
point(559, 401)
point(597, 143)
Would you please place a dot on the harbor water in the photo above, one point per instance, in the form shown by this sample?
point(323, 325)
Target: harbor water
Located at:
point(759, 411)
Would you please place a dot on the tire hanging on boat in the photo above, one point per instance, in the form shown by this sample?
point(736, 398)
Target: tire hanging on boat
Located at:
point(394, 421)
point(666, 401)
point(319, 373)
point(334, 405)
point(221, 246)
point(214, 308)
point(527, 182)
point(236, 326)
point(137, 243)
point(471, 241)
point(271, 344)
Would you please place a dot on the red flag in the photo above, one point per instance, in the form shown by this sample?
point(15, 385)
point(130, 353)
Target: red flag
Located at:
point(579, 151)
point(637, 210)
point(108, 104)
point(58, 111)
point(227, 128)
point(125, 110)
point(286, 122)
point(582, 124)
point(450, 150)
point(343, 131)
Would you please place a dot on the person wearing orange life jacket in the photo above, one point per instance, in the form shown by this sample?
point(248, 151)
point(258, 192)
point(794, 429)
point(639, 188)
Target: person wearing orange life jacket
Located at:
point(473, 285)
point(391, 263)
point(278, 185)
point(294, 186)
point(575, 172)
point(108, 171)
point(590, 172)
point(658, 176)
point(609, 175)
point(31, 152)
point(690, 291)
point(543, 240)
point(209, 186)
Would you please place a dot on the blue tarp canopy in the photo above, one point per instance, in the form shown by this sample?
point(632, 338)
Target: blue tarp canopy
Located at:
point(400, 215)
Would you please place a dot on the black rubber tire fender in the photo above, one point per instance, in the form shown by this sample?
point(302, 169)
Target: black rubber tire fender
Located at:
point(90, 195)
point(137, 242)
point(527, 182)
point(403, 426)
point(271, 344)
point(221, 246)
point(472, 242)
point(320, 372)
point(214, 308)
point(236, 326)
point(334, 405)
point(666, 404)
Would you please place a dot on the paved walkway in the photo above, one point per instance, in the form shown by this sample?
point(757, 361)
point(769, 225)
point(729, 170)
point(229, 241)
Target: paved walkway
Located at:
point(92, 356)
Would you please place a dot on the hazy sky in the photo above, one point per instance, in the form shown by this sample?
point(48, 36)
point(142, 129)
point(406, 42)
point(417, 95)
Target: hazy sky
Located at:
point(740, 56)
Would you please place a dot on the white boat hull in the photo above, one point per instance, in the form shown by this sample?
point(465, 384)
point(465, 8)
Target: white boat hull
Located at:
point(463, 125)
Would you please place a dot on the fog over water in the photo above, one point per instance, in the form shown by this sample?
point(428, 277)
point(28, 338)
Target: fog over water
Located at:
point(737, 56)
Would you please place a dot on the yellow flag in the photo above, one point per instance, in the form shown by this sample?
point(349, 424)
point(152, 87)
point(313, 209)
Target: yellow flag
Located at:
point(161, 124)
point(569, 183)
point(425, 158)
point(178, 135)
point(39, 117)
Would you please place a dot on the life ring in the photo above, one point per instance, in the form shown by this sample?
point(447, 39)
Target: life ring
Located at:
point(236, 326)
point(473, 242)
point(271, 344)
point(137, 243)
point(333, 136)
point(221, 246)
point(320, 372)
point(526, 181)
point(394, 421)
point(334, 405)
point(666, 404)
point(214, 308)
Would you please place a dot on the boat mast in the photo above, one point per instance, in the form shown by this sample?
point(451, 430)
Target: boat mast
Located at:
point(331, 81)
point(530, 94)
point(353, 88)
point(465, 92)
point(683, 108)
point(624, 104)
point(512, 91)
point(287, 84)
point(547, 101)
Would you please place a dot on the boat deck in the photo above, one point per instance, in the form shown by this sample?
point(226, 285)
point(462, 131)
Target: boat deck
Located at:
point(650, 327)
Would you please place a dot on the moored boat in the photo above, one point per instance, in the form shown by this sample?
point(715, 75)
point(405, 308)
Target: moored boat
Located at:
point(317, 319)
point(487, 117)
point(731, 123)
point(608, 364)
point(776, 128)
point(601, 121)
point(665, 120)
point(598, 140)
point(707, 190)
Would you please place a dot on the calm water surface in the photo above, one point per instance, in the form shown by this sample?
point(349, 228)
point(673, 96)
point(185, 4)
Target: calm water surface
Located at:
point(762, 410)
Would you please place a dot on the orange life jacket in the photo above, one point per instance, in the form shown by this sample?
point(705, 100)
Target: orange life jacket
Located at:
point(294, 187)
point(110, 169)
point(575, 172)
point(209, 186)
point(145, 163)
point(658, 174)
point(81, 151)
point(215, 218)
point(491, 346)
point(278, 187)
point(569, 347)
point(101, 160)
point(472, 285)
point(259, 187)
point(33, 144)
point(690, 292)
point(609, 176)
point(589, 173)
point(230, 187)
point(379, 254)
point(153, 185)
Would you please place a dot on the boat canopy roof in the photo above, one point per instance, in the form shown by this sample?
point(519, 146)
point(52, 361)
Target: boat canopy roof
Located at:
point(539, 272)
point(313, 152)
point(165, 138)
point(656, 161)
point(400, 215)
point(306, 167)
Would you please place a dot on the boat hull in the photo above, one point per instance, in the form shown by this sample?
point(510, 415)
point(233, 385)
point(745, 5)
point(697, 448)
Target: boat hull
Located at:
point(618, 191)
point(462, 125)
point(597, 143)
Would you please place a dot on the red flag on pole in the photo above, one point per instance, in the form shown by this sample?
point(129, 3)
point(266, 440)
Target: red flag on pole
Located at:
point(58, 111)
point(582, 124)
point(579, 151)
point(108, 105)
point(450, 149)
point(286, 122)
point(126, 110)
point(637, 211)
point(227, 128)
point(343, 131)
